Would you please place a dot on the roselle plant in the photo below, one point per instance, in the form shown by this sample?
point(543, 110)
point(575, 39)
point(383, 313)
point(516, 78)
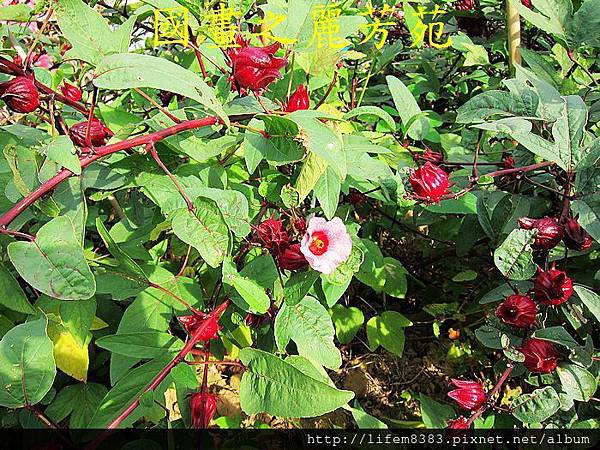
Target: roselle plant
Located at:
point(180, 226)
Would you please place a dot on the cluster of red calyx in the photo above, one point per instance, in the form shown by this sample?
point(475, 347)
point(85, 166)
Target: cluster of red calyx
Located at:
point(98, 133)
point(550, 232)
point(193, 322)
point(277, 240)
point(469, 394)
point(254, 68)
point(203, 406)
point(517, 310)
point(20, 94)
point(552, 287)
point(540, 356)
point(465, 5)
point(299, 100)
point(429, 182)
point(71, 92)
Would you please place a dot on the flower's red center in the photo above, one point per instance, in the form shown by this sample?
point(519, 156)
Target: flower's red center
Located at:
point(319, 243)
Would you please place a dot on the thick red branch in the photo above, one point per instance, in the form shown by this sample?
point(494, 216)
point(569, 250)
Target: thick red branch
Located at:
point(100, 152)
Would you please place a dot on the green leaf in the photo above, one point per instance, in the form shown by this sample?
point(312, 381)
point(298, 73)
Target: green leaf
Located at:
point(578, 383)
point(347, 322)
point(536, 407)
point(557, 335)
point(322, 141)
point(327, 191)
point(54, 262)
point(589, 215)
point(131, 70)
point(312, 168)
point(125, 261)
point(77, 318)
point(308, 324)
point(514, 257)
point(492, 103)
point(127, 390)
point(80, 401)
point(589, 298)
point(372, 111)
point(416, 124)
point(253, 297)
point(435, 414)
point(298, 285)
point(387, 330)
point(89, 33)
point(274, 386)
point(585, 25)
point(280, 148)
point(204, 229)
point(11, 294)
point(62, 151)
point(396, 284)
point(27, 367)
point(144, 344)
point(16, 13)
point(552, 17)
point(364, 420)
point(234, 208)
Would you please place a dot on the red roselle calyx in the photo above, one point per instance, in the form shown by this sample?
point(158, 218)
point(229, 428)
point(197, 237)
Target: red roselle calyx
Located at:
point(193, 322)
point(527, 3)
point(540, 356)
point(429, 182)
point(203, 406)
point(356, 198)
point(576, 238)
point(549, 231)
point(73, 93)
point(298, 100)
point(465, 5)
point(97, 135)
point(292, 258)
point(518, 311)
point(460, 423)
point(470, 394)
point(254, 68)
point(552, 287)
point(20, 94)
point(431, 156)
point(273, 235)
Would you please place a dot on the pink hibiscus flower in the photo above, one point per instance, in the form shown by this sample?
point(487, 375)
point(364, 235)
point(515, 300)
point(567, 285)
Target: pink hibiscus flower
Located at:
point(326, 244)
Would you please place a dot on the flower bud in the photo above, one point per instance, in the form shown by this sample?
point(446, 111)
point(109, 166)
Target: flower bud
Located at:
point(527, 3)
point(429, 182)
point(254, 68)
point(576, 238)
point(300, 225)
point(203, 406)
point(291, 258)
point(273, 235)
point(518, 311)
point(509, 162)
point(73, 93)
point(20, 94)
point(552, 287)
point(540, 356)
point(431, 156)
point(97, 137)
point(549, 231)
point(460, 423)
point(193, 322)
point(298, 100)
point(470, 394)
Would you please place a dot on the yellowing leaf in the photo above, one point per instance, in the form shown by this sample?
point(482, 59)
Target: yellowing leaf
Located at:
point(70, 357)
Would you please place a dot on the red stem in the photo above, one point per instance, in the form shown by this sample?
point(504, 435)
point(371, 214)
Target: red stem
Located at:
point(100, 152)
point(167, 369)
